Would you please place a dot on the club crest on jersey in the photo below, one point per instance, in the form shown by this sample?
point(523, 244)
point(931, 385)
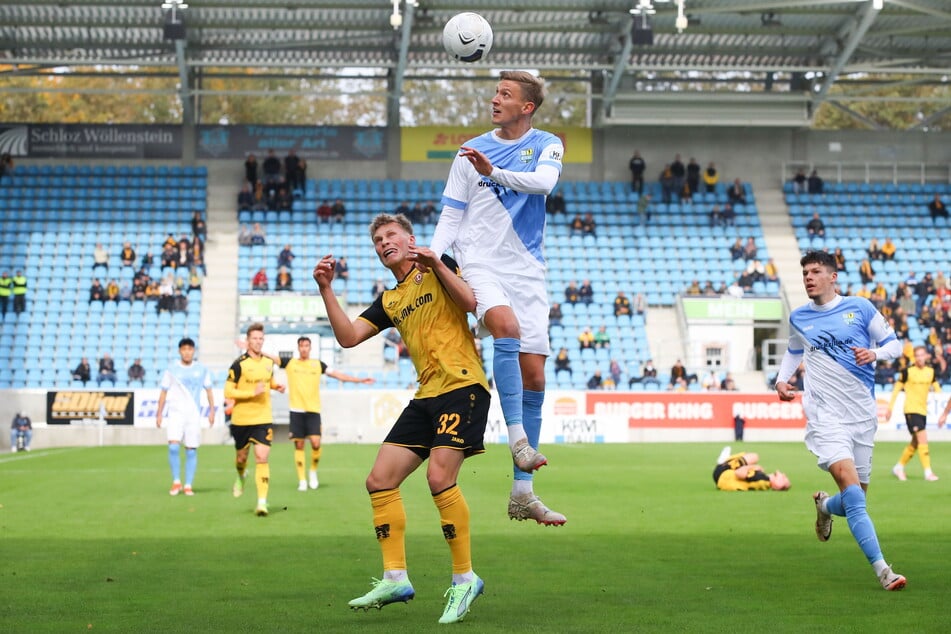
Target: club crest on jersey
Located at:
point(555, 155)
point(526, 155)
point(418, 278)
point(849, 318)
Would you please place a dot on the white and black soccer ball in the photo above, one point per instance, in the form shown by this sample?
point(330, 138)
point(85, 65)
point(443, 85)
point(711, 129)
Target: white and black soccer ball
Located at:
point(467, 37)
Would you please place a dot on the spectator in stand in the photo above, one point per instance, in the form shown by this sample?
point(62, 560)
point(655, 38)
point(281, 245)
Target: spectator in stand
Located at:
point(694, 289)
point(251, 170)
point(577, 225)
point(728, 384)
point(749, 249)
point(884, 373)
point(586, 292)
point(799, 182)
point(139, 282)
point(96, 292)
point(716, 217)
point(404, 208)
point(839, 257)
point(814, 184)
point(166, 294)
point(678, 371)
point(648, 375)
point(637, 167)
point(338, 211)
point(100, 257)
point(594, 383)
point(937, 209)
point(244, 236)
point(377, 289)
point(286, 256)
point(588, 226)
point(601, 338)
point(258, 235)
point(815, 227)
point(429, 212)
point(196, 256)
point(284, 201)
point(112, 291)
point(622, 305)
point(874, 251)
point(746, 280)
point(183, 256)
point(679, 174)
point(152, 291)
point(245, 198)
point(736, 251)
point(82, 372)
point(942, 369)
point(272, 169)
point(147, 261)
point(127, 256)
point(586, 339)
point(644, 209)
point(416, 213)
point(736, 193)
point(195, 279)
point(107, 370)
point(879, 295)
point(137, 372)
point(693, 176)
point(342, 270)
point(292, 171)
point(555, 204)
point(866, 272)
point(923, 290)
point(728, 214)
point(324, 211)
point(284, 281)
point(199, 228)
point(772, 272)
point(259, 281)
point(17, 286)
point(615, 371)
point(179, 302)
point(888, 250)
point(708, 289)
point(710, 178)
point(640, 305)
point(667, 184)
point(555, 315)
point(572, 294)
point(710, 381)
point(170, 256)
point(259, 197)
point(562, 362)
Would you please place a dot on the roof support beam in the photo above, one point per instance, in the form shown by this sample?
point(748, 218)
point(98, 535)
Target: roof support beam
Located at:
point(184, 89)
point(393, 108)
point(627, 44)
point(855, 115)
point(866, 15)
point(934, 116)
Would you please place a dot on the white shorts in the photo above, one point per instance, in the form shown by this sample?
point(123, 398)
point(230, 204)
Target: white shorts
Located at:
point(527, 297)
point(187, 432)
point(832, 442)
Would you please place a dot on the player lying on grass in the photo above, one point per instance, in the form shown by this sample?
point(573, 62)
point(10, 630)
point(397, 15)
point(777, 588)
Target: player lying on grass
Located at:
point(742, 472)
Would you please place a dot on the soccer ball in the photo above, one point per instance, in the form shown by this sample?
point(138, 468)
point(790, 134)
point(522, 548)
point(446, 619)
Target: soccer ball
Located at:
point(467, 37)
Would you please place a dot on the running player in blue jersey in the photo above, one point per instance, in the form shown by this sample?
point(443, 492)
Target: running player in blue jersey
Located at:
point(493, 217)
point(181, 388)
point(839, 339)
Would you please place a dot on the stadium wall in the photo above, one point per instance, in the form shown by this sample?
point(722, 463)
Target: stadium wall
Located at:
point(365, 416)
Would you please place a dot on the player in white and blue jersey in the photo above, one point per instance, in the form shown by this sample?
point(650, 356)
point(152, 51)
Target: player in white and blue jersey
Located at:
point(493, 216)
point(181, 388)
point(839, 339)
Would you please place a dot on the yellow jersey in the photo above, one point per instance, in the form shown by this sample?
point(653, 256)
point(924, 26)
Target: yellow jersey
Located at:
point(726, 479)
point(303, 383)
point(434, 329)
point(916, 382)
point(245, 373)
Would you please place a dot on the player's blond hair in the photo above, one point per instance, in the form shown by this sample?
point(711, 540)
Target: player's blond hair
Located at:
point(253, 327)
point(533, 88)
point(385, 219)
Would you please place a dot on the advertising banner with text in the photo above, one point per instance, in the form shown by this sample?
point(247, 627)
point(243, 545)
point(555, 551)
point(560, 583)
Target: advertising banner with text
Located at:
point(81, 407)
point(696, 410)
point(342, 143)
point(441, 143)
point(100, 141)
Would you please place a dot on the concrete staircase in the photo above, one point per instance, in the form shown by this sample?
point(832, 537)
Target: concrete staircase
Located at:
point(219, 305)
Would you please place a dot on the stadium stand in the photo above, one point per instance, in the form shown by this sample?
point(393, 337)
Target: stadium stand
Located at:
point(51, 218)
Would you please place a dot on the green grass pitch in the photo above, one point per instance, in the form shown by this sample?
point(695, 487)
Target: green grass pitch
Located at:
point(90, 540)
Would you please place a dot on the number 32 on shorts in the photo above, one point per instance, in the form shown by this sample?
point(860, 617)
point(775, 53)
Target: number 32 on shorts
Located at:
point(448, 423)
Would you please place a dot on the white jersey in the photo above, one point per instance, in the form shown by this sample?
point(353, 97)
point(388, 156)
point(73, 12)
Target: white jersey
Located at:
point(836, 389)
point(183, 385)
point(502, 229)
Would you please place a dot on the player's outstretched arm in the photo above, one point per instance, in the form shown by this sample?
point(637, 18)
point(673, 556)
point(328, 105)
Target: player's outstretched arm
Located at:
point(348, 333)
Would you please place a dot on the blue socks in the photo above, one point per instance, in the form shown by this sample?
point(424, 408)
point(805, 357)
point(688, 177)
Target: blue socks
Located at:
point(532, 422)
point(174, 450)
point(191, 463)
point(508, 379)
point(851, 504)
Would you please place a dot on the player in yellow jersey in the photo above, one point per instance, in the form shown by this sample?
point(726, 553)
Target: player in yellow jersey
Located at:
point(742, 472)
point(916, 381)
point(249, 384)
point(445, 421)
point(303, 384)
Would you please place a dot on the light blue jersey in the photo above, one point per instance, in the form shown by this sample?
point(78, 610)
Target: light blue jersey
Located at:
point(502, 229)
point(836, 388)
point(184, 384)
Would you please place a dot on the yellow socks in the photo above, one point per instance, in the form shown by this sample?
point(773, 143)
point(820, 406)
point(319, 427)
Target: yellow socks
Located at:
point(262, 477)
point(907, 455)
point(389, 522)
point(299, 463)
point(925, 456)
point(454, 515)
point(314, 458)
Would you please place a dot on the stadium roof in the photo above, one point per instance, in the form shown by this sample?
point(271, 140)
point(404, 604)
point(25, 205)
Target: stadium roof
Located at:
point(823, 40)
